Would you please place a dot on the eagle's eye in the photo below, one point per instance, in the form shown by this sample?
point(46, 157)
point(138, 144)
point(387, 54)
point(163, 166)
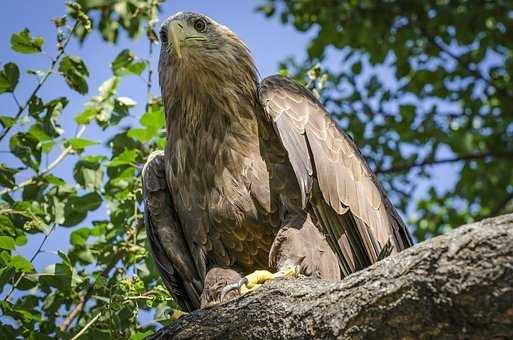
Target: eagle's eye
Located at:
point(200, 25)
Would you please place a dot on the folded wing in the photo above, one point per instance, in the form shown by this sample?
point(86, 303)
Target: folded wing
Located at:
point(335, 181)
point(166, 238)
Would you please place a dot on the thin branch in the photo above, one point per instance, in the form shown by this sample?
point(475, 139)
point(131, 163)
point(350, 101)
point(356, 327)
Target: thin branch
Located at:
point(49, 168)
point(473, 71)
point(16, 100)
point(430, 161)
point(150, 74)
point(55, 61)
point(84, 298)
point(93, 320)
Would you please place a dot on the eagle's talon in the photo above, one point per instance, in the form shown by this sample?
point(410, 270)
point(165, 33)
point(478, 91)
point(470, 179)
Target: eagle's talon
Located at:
point(233, 286)
point(176, 314)
point(256, 279)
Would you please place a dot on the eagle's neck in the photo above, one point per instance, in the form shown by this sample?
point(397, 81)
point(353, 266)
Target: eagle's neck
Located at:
point(211, 112)
point(210, 96)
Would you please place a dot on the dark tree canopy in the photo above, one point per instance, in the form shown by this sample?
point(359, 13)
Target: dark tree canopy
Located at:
point(425, 88)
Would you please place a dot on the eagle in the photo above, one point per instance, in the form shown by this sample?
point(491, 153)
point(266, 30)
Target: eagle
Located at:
point(256, 180)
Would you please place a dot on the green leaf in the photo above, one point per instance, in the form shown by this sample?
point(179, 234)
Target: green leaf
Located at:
point(77, 207)
point(9, 77)
point(79, 237)
point(52, 179)
point(6, 225)
point(127, 157)
point(124, 104)
point(20, 263)
point(27, 282)
point(75, 72)
point(88, 202)
point(142, 134)
point(46, 142)
point(141, 335)
point(79, 144)
point(98, 229)
point(58, 276)
point(92, 178)
point(125, 64)
point(154, 119)
point(86, 116)
point(108, 89)
point(7, 121)
point(7, 242)
point(88, 172)
point(86, 256)
point(36, 106)
point(6, 271)
point(356, 68)
point(21, 240)
point(26, 147)
point(7, 176)
point(58, 210)
point(22, 42)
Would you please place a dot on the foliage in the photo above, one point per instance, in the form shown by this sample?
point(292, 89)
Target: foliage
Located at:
point(98, 287)
point(419, 85)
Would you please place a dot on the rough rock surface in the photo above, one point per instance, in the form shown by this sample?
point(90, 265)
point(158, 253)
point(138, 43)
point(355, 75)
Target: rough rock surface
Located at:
point(456, 286)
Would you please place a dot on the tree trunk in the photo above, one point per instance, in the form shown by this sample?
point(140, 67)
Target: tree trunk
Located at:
point(456, 286)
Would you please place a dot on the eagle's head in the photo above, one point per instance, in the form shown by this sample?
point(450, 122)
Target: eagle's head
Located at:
point(203, 64)
point(195, 43)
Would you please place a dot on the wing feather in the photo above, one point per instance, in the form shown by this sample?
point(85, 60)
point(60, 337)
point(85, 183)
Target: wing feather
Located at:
point(166, 239)
point(333, 177)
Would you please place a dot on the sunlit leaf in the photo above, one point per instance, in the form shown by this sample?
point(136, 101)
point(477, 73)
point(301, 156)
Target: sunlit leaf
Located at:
point(20, 263)
point(7, 242)
point(126, 64)
point(80, 144)
point(22, 42)
point(79, 236)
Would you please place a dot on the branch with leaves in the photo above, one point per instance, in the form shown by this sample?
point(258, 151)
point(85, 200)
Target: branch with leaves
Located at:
point(507, 156)
point(105, 276)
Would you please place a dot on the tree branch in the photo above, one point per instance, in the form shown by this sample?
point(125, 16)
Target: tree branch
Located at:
point(471, 70)
point(93, 320)
point(430, 161)
point(36, 253)
point(456, 286)
point(49, 168)
point(79, 307)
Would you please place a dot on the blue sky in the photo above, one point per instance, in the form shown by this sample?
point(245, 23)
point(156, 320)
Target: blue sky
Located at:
point(269, 41)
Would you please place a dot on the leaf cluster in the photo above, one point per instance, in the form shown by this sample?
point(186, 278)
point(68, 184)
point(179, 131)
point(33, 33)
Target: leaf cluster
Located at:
point(104, 277)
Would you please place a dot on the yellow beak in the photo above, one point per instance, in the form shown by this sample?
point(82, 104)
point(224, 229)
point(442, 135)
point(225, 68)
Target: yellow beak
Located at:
point(176, 31)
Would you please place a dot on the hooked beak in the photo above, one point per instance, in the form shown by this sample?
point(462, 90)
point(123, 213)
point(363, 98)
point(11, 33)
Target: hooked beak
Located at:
point(181, 34)
point(177, 36)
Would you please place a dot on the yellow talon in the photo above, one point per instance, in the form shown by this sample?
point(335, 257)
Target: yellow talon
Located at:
point(254, 280)
point(244, 289)
point(177, 314)
point(258, 277)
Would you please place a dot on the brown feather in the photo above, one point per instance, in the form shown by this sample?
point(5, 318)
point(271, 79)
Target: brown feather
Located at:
point(243, 160)
point(345, 181)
